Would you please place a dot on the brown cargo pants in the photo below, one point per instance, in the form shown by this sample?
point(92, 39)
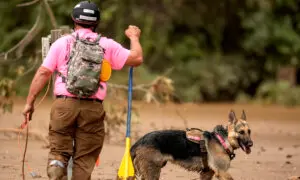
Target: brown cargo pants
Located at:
point(81, 121)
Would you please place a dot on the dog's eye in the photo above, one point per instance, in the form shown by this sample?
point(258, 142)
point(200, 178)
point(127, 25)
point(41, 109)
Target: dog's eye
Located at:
point(249, 131)
point(242, 132)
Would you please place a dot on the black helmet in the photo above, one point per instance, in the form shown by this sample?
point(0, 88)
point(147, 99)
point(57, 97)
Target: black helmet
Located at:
point(86, 12)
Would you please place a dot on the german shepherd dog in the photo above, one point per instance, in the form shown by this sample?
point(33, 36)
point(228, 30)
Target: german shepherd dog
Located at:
point(204, 152)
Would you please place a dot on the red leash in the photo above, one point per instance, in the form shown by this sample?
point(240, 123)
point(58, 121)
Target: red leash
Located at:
point(24, 125)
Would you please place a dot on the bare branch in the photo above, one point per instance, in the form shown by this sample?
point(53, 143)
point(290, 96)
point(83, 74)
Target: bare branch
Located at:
point(26, 39)
point(168, 71)
point(149, 97)
point(34, 135)
point(29, 36)
point(144, 85)
point(27, 3)
point(140, 87)
point(50, 13)
point(161, 86)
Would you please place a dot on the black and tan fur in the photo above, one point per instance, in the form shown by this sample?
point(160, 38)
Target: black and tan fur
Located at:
point(152, 152)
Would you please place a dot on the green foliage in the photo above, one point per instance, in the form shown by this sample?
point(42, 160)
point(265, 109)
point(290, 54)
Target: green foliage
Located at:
point(273, 30)
point(214, 78)
point(278, 93)
point(217, 49)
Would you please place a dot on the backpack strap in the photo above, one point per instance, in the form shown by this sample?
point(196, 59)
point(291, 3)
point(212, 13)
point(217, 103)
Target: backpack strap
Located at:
point(70, 54)
point(63, 78)
point(74, 44)
point(77, 36)
point(97, 40)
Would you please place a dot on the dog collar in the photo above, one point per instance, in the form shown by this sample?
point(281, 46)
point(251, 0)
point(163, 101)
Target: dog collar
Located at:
point(226, 146)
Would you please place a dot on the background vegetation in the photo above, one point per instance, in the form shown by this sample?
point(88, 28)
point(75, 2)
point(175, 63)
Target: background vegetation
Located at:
point(213, 50)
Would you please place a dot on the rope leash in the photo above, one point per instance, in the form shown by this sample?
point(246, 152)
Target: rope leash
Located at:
point(24, 125)
point(24, 154)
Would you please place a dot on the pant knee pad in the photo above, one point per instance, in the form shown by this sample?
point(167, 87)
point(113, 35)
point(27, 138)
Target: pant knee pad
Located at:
point(56, 170)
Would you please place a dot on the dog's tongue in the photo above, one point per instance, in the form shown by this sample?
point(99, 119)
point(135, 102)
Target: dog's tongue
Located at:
point(246, 149)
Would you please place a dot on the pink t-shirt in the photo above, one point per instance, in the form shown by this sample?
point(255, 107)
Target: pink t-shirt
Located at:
point(59, 53)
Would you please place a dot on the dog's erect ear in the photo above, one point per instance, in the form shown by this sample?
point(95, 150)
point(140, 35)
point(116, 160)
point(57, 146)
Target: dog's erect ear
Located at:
point(244, 116)
point(232, 117)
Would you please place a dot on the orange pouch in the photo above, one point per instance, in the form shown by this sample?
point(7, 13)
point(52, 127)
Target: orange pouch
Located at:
point(105, 71)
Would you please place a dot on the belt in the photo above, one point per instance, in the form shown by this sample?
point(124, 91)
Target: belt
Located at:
point(84, 99)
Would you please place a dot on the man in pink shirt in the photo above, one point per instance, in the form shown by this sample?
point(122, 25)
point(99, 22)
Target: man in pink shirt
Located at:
point(74, 118)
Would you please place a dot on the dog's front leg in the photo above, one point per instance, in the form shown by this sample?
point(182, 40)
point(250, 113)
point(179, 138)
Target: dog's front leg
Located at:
point(220, 163)
point(207, 175)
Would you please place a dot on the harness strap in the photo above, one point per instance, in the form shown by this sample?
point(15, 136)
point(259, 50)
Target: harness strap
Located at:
point(225, 145)
point(204, 158)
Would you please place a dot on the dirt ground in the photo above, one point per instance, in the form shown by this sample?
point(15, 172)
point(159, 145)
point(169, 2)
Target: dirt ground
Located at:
point(275, 132)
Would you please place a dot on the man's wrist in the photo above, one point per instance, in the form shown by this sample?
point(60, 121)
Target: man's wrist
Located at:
point(134, 38)
point(30, 100)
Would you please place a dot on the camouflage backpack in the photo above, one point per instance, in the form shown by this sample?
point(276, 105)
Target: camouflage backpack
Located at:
point(84, 67)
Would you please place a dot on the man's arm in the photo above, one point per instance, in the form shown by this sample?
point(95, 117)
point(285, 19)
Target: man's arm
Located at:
point(40, 79)
point(135, 57)
point(42, 75)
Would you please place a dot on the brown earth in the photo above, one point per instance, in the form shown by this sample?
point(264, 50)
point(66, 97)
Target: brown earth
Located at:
point(276, 136)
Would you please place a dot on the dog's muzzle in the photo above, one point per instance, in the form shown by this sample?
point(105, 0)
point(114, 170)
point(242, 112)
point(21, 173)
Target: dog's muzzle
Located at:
point(246, 145)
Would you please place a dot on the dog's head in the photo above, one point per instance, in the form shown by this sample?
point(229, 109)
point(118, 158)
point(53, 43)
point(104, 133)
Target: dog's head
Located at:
point(239, 132)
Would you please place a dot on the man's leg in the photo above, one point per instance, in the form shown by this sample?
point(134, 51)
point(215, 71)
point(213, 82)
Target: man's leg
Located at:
point(61, 133)
point(89, 137)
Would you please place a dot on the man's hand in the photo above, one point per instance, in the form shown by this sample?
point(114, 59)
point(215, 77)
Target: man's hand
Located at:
point(133, 32)
point(27, 112)
point(135, 57)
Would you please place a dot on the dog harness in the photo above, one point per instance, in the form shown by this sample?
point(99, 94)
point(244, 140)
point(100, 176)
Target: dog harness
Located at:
point(197, 136)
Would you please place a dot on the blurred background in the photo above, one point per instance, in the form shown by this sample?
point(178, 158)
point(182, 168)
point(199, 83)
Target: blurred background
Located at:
point(212, 50)
point(201, 59)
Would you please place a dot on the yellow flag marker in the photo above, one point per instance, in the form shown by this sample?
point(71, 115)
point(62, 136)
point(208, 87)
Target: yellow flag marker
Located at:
point(126, 170)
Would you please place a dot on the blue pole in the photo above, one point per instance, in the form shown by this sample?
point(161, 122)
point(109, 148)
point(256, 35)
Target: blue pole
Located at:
point(129, 102)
